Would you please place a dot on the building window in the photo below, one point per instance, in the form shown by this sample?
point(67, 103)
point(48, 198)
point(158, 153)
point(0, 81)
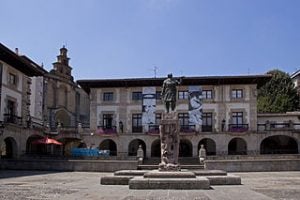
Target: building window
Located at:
point(238, 123)
point(11, 108)
point(137, 123)
point(237, 94)
point(183, 94)
point(183, 119)
point(207, 94)
point(10, 115)
point(206, 122)
point(158, 95)
point(154, 128)
point(136, 96)
point(107, 121)
point(108, 96)
point(237, 118)
point(12, 79)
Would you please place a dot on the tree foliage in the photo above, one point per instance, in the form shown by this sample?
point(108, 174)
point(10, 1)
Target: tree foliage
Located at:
point(278, 95)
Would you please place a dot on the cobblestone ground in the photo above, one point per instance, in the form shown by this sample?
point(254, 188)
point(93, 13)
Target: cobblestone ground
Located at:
point(86, 185)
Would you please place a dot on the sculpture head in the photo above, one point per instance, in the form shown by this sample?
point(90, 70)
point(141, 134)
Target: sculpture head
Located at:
point(170, 75)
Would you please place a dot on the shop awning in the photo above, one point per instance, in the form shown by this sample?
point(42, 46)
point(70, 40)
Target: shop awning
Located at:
point(46, 140)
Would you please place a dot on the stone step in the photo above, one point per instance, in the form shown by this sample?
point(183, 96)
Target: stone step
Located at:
point(152, 167)
point(169, 183)
point(181, 160)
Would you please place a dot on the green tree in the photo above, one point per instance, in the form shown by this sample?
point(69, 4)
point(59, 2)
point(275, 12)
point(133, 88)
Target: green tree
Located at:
point(278, 95)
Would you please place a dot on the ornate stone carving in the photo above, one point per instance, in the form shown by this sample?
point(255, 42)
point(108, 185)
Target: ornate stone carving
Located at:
point(169, 136)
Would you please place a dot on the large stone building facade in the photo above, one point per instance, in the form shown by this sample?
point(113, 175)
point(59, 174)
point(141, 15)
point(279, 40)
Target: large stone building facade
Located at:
point(230, 122)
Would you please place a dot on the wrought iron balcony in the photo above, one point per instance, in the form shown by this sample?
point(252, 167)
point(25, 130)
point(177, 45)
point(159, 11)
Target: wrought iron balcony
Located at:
point(153, 129)
point(207, 128)
point(13, 119)
point(238, 127)
point(137, 129)
point(106, 130)
point(187, 128)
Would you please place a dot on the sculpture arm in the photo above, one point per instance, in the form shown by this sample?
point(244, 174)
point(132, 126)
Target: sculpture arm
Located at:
point(180, 80)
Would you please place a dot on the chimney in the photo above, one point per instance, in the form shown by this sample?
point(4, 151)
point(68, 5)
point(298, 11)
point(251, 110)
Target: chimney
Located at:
point(17, 51)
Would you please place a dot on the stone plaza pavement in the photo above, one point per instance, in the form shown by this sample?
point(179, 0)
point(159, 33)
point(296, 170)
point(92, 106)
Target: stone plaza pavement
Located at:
point(86, 185)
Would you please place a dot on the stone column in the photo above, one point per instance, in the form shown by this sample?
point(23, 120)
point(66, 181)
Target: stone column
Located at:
point(169, 137)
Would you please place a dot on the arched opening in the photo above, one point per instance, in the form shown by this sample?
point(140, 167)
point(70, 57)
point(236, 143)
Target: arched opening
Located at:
point(110, 145)
point(63, 118)
point(39, 145)
point(155, 148)
point(185, 148)
point(32, 149)
point(69, 144)
point(237, 146)
point(9, 148)
point(279, 144)
point(134, 145)
point(209, 145)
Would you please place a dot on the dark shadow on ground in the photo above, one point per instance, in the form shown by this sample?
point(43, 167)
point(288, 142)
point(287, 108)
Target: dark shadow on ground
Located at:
point(19, 173)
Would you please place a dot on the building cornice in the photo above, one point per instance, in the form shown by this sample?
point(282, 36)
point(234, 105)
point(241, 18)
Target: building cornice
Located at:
point(259, 80)
point(21, 63)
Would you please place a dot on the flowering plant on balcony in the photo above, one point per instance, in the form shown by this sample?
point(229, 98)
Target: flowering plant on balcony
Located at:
point(103, 130)
point(238, 128)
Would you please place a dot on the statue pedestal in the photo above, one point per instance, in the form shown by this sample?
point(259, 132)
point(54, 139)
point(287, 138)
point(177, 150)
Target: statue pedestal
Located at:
point(169, 137)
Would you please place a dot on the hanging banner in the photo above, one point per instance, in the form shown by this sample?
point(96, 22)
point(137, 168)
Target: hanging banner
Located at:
point(195, 105)
point(149, 105)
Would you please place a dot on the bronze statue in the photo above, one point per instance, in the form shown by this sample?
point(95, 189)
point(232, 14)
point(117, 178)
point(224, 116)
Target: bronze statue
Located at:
point(169, 92)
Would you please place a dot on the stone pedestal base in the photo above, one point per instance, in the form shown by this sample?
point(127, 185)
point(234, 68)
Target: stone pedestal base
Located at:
point(181, 180)
point(169, 183)
point(169, 174)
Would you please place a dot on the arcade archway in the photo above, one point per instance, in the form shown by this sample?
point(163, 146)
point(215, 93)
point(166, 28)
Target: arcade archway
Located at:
point(155, 148)
point(110, 145)
point(185, 148)
point(9, 148)
point(209, 145)
point(279, 144)
point(237, 146)
point(134, 145)
point(32, 149)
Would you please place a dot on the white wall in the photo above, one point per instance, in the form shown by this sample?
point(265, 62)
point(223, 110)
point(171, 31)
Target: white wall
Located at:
point(36, 99)
point(11, 92)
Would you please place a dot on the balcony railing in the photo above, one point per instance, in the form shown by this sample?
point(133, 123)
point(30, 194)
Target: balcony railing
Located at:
point(13, 119)
point(137, 129)
point(207, 128)
point(238, 127)
point(278, 126)
point(153, 129)
point(187, 128)
point(107, 130)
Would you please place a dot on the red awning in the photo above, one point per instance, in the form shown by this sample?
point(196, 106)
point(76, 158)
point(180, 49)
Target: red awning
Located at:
point(46, 140)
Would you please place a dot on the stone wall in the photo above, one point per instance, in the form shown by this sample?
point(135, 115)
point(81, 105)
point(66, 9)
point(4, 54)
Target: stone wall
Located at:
point(254, 165)
point(68, 165)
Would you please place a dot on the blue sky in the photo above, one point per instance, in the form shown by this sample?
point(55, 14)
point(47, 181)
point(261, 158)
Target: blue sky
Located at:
point(127, 38)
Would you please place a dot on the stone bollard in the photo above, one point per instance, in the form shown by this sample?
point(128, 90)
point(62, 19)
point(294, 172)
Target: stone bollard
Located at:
point(202, 155)
point(140, 155)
